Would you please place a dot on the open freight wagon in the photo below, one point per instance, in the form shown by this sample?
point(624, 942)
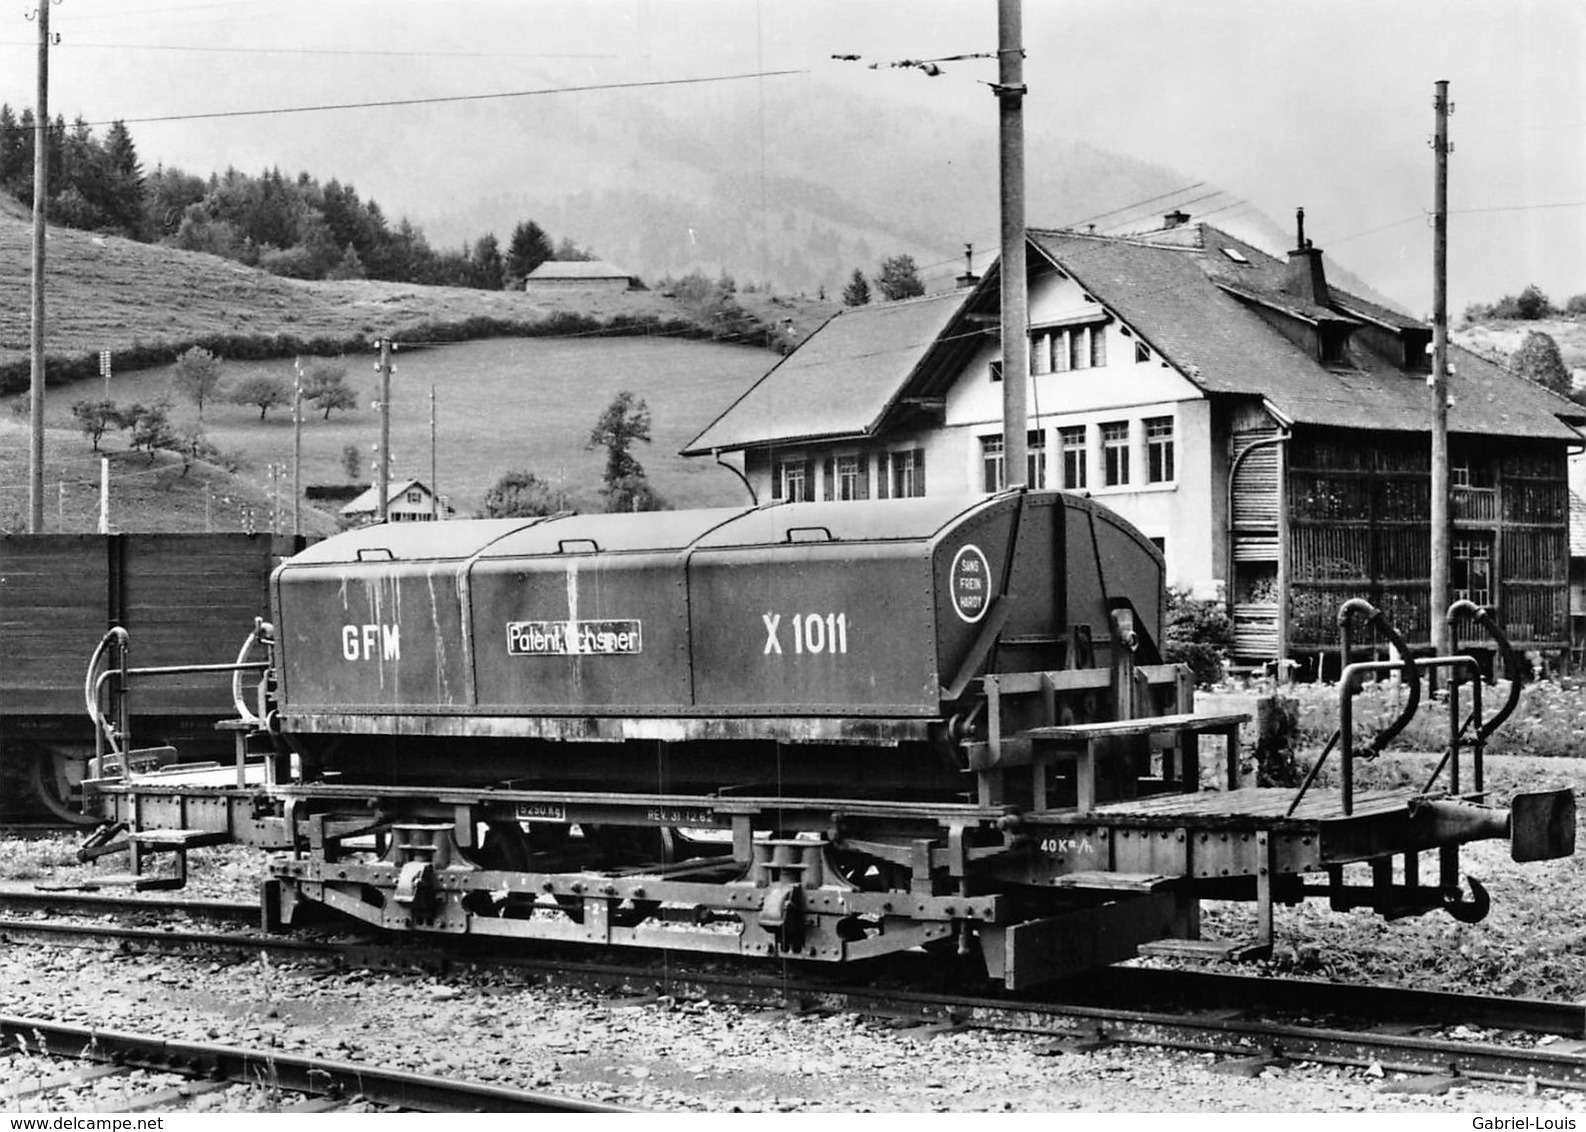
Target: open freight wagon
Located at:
point(178, 595)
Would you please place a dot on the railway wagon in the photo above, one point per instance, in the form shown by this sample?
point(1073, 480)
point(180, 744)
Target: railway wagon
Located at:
point(812, 731)
point(179, 594)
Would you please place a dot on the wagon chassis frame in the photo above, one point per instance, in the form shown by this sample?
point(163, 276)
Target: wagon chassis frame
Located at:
point(768, 894)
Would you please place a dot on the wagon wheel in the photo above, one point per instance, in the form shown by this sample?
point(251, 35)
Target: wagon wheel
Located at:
point(55, 777)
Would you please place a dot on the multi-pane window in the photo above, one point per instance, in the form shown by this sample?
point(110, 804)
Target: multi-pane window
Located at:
point(1035, 458)
point(1071, 444)
point(1470, 573)
point(853, 482)
point(908, 473)
point(1068, 348)
point(1158, 449)
point(793, 482)
point(1115, 453)
point(992, 464)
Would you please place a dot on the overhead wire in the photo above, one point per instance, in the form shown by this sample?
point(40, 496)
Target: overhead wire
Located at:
point(319, 51)
point(435, 100)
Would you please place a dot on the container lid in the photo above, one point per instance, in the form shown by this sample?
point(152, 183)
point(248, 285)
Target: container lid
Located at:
point(411, 542)
point(608, 533)
point(885, 520)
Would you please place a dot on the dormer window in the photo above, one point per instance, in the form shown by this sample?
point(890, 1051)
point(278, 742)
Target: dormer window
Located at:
point(1334, 340)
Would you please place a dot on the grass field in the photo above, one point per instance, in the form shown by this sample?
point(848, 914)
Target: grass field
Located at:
point(104, 292)
point(525, 403)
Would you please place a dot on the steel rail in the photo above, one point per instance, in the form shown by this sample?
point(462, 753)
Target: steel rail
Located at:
point(88, 900)
point(1108, 1012)
point(296, 1073)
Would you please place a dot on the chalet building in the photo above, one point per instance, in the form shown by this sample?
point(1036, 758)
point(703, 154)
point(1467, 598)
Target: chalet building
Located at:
point(409, 501)
point(1268, 432)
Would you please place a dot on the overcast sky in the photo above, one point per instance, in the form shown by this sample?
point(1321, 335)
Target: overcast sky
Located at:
point(1325, 104)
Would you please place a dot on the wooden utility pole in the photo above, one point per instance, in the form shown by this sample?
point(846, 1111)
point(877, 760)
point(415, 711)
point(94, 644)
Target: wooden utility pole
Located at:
point(41, 184)
point(435, 498)
point(1010, 91)
point(1442, 644)
point(297, 450)
point(383, 503)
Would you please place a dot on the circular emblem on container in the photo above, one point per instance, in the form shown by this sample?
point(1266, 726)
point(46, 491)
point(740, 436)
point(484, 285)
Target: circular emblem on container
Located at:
point(970, 582)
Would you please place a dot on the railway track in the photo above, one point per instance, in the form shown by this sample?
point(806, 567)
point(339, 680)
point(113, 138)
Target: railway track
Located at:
point(1247, 1022)
point(45, 1059)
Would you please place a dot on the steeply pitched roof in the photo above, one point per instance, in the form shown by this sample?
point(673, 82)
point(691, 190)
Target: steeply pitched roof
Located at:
point(840, 380)
point(1191, 304)
point(1202, 299)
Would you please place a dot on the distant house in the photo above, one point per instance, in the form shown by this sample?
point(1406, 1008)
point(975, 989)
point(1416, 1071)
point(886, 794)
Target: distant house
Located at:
point(409, 501)
point(1268, 432)
point(580, 275)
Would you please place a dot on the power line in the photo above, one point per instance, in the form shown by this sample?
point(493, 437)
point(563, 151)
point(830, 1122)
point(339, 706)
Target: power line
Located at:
point(930, 267)
point(453, 98)
point(1115, 225)
point(1462, 212)
point(315, 51)
point(1135, 205)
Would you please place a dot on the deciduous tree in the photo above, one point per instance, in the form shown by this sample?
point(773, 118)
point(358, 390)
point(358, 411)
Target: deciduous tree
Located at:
point(150, 427)
point(95, 418)
point(900, 279)
point(519, 494)
point(264, 391)
point(485, 266)
point(326, 388)
point(196, 376)
point(625, 421)
point(1538, 359)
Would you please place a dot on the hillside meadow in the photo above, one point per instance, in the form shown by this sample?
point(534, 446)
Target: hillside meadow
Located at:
point(523, 403)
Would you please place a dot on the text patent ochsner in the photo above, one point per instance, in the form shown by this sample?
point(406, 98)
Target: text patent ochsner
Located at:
point(574, 638)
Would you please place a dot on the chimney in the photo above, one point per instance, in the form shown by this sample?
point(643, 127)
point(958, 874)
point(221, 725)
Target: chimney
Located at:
point(1305, 279)
point(1175, 219)
point(968, 278)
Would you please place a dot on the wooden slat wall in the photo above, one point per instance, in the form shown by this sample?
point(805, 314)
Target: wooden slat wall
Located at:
point(191, 599)
point(1358, 527)
point(1256, 533)
point(1255, 496)
point(54, 608)
point(183, 598)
